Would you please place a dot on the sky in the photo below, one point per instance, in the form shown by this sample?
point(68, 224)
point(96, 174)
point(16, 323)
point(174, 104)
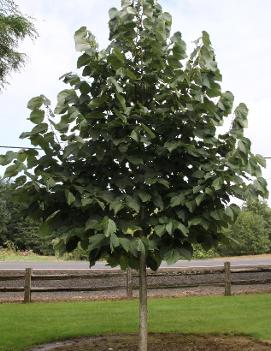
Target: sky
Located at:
point(240, 31)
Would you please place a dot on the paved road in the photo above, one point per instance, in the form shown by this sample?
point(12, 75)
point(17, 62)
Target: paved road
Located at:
point(84, 265)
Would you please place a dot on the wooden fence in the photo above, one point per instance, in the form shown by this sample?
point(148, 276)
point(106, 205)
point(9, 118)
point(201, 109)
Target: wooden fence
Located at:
point(226, 279)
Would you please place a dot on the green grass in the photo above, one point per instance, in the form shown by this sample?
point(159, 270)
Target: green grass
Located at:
point(24, 325)
point(10, 255)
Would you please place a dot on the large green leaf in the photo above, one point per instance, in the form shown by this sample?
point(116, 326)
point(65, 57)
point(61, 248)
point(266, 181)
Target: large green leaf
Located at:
point(133, 203)
point(85, 41)
point(7, 158)
point(160, 229)
point(125, 244)
point(140, 246)
point(91, 224)
point(35, 102)
point(13, 170)
point(149, 132)
point(37, 116)
point(177, 200)
point(109, 226)
point(261, 160)
point(95, 241)
point(116, 206)
point(183, 229)
point(177, 253)
point(70, 197)
point(144, 196)
point(132, 229)
point(114, 242)
point(199, 221)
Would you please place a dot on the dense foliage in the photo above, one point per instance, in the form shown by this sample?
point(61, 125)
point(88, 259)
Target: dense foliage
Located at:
point(16, 228)
point(261, 208)
point(14, 27)
point(251, 232)
point(136, 163)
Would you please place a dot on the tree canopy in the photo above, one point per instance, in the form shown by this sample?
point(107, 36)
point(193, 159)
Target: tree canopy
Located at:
point(14, 27)
point(250, 234)
point(133, 165)
point(133, 160)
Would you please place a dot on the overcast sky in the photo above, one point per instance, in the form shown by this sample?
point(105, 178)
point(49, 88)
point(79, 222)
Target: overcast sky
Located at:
point(240, 31)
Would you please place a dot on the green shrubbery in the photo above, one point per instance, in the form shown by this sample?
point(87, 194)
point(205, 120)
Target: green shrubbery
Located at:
point(199, 252)
point(249, 235)
point(10, 252)
point(251, 232)
point(17, 229)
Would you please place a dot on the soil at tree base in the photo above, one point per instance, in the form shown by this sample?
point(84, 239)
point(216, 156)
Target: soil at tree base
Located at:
point(160, 342)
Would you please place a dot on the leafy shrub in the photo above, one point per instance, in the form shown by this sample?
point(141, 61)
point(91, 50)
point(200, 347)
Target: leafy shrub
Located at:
point(199, 252)
point(247, 236)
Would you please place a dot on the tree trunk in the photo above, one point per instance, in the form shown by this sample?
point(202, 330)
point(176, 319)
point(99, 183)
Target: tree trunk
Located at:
point(129, 283)
point(143, 311)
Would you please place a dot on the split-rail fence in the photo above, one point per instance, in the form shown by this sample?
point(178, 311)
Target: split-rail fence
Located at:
point(224, 276)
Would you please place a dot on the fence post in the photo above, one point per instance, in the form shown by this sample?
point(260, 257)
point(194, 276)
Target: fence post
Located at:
point(227, 266)
point(129, 283)
point(27, 285)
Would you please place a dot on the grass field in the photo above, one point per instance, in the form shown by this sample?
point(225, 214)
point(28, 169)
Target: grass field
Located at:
point(24, 325)
point(28, 256)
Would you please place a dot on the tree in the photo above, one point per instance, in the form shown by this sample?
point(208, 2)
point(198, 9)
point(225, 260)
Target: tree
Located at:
point(250, 233)
point(18, 228)
point(261, 208)
point(24, 232)
point(247, 236)
point(136, 171)
point(14, 27)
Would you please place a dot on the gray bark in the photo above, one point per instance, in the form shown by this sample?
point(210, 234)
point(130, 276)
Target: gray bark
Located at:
point(143, 310)
point(129, 283)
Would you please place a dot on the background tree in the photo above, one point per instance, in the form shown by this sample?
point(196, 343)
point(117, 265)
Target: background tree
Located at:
point(14, 27)
point(261, 208)
point(250, 233)
point(18, 228)
point(24, 232)
point(248, 236)
point(140, 173)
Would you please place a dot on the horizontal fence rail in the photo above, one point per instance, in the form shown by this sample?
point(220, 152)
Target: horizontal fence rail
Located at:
point(126, 280)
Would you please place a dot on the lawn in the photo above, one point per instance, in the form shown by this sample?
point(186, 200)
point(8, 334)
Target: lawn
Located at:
point(28, 256)
point(24, 325)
